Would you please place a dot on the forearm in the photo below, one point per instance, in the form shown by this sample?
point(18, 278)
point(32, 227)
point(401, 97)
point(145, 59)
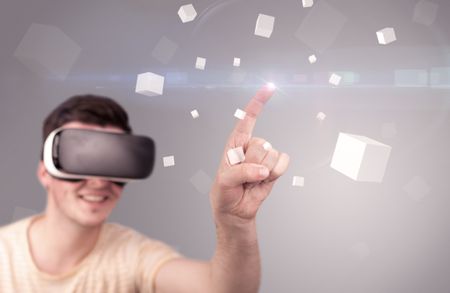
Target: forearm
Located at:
point(236, 265)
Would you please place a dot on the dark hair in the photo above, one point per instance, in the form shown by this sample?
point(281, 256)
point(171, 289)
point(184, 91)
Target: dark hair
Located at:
point(90, 109)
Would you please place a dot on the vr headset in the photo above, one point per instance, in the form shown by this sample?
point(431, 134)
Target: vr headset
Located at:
point(77, 154)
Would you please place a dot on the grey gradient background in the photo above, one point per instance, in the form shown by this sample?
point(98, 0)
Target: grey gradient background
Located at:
point(333, 234)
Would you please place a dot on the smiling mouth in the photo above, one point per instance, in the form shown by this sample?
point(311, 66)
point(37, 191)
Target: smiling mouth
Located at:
point(94, 199)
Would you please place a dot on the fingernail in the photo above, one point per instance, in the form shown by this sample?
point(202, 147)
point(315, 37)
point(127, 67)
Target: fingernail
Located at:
point(264, 172)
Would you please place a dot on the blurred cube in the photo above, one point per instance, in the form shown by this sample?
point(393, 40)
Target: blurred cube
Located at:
point(425, 12)
point(312, 59)
point(298, 181)
point(237, 62)
point(200, 63)
point(47, 51)
point(236, 155)
point(187, 13)
point(164, 50)
point(307, 3)
point(264, 25)
point(201, 181)
point(150, 84)
point(194, 114)
point(321, 116)
point(321, 26)
point(386, 36)
point(335, 79)
point(360, 158)
point(168, 161)
point(239, 114)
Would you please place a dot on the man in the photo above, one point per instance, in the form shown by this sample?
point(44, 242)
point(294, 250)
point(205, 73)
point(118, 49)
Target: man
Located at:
point(71, 248)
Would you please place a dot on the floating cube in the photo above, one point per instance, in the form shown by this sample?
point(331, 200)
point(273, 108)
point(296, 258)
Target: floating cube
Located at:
point(267, 146)
point(360, 158)
point(168, 161)
point(240, 114)
point(47, 51)
point(201, 181)
point(236, 155)
point(321, 26)
point(150, 84)
point(321, 116)
point(312, 59)
point(298, 181)
point(164, 50)
point(335, 79)
point(194, 114)
point(200, 63)
point(187, 13)
point(307, 3)
point(386, 36)
point(417, 188)
point(264, 25)
point(425, 12)
point(236, 62)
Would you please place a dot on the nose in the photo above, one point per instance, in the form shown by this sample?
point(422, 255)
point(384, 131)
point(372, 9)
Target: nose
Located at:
point(97, 183)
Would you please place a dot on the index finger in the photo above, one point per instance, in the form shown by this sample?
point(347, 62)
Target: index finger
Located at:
point(252, 110)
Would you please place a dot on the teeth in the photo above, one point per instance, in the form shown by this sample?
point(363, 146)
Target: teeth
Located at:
point(94, 198)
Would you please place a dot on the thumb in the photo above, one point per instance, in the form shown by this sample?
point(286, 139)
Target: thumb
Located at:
point(244, 173)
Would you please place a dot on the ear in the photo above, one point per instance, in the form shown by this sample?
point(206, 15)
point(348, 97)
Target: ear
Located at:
point(43, 175)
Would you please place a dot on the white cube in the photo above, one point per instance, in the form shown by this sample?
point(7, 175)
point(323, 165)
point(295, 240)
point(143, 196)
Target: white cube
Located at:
point(200, 63)
point(194, 114)
point(321, 116)
point(187, 13)
point(312, 59)
point(264, 25)
point(168, 161)
point(267, 146)
point(236, 155)
point(298, 181)
point(360, 158)
point(386, 36)
point(335, 79)
point(149, 84)
point(307, 3)
point(236, 62)
point(239, 114)
point(47, 51)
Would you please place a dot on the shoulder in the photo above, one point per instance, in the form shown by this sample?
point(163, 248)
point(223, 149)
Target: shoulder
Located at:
point(13, 230)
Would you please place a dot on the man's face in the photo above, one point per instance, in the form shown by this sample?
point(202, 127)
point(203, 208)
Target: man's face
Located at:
point(78, 201)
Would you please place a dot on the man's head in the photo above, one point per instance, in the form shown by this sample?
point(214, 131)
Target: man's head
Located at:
point(75, 201)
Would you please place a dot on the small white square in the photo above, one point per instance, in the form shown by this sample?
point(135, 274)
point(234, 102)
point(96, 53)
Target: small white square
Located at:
point(236, 155)
point(307, 3)
point(264, 25)
point(321, 116)
point(240, 114)
point(200, 63)
point(298, 181)
point(386, 36)
point(150, 84)
point(312, 59)
point(194, 114)
point(187, 13)
point(335, 79)
point(168, 161)
point(267, 146)
point(237, 62)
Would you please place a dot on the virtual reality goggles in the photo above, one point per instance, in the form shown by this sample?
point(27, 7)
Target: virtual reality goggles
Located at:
point(77, 154)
